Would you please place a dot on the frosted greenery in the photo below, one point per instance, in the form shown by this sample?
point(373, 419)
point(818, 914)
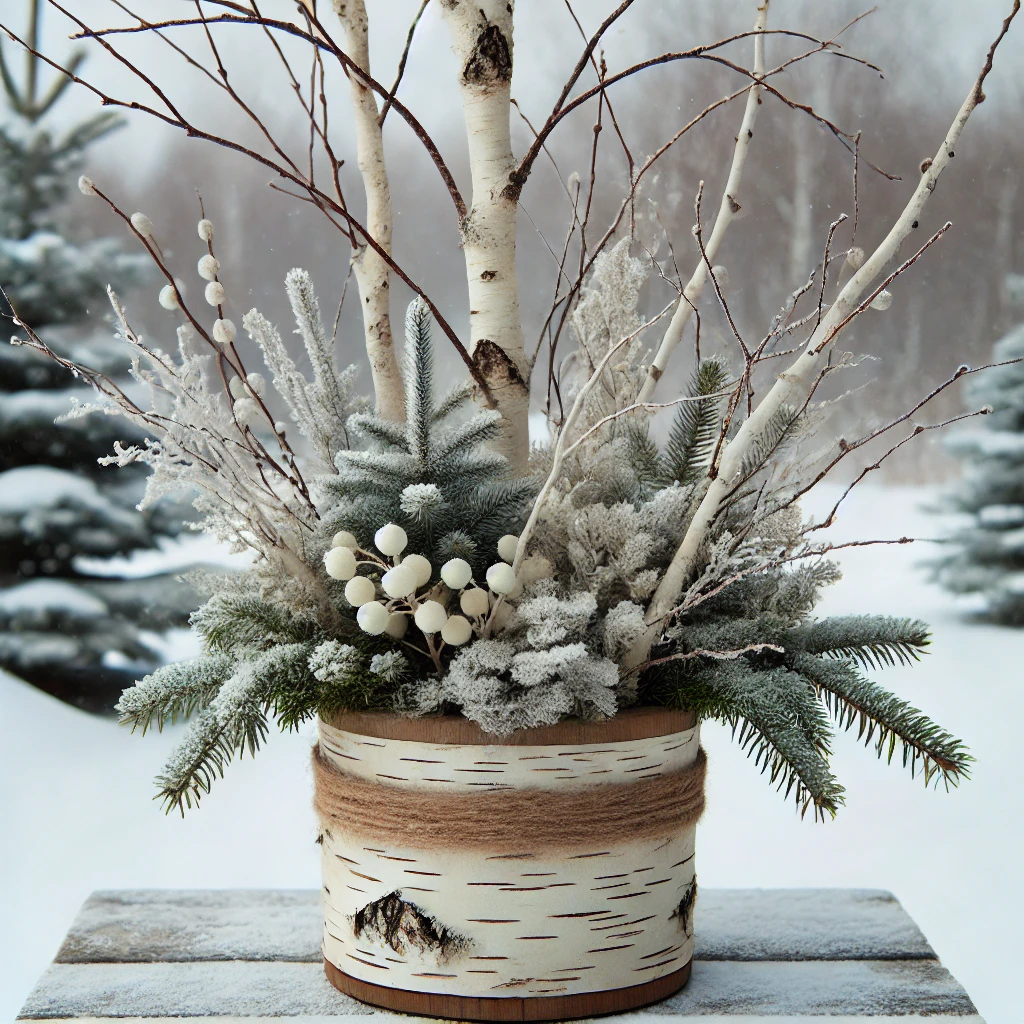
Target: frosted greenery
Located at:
point(986, 553)
point(432, 475)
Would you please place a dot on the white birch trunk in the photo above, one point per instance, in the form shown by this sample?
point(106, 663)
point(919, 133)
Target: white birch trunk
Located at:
point(481, 35)
point(727, 211)
point(373, 277)
point(792, 387)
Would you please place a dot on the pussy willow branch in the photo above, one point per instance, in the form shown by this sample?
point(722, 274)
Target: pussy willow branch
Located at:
point(319, 197)
point(320, 39)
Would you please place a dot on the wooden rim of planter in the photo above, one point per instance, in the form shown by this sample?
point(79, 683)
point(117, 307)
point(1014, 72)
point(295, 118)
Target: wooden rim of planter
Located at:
point(634, 723)
point(488, 1008)
point(631, 724)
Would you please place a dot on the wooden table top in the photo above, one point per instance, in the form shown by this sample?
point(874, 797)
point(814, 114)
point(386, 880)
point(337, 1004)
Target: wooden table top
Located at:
point(779, 955)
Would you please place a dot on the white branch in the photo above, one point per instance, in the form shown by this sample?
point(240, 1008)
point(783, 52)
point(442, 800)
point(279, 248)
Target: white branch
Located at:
point(482, 43)
point(372, 273)
point(795, 384)
point(727, 211)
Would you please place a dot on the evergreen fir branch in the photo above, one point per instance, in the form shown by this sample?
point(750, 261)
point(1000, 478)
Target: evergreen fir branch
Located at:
point(643, 457)
point(454, 400)
point(347, 684)
point(691, 440)
point(173, 692)
point(419, 375)
point(780, 430)
point(874, 641)
point(236, 623)
point(774, 715)
point(235, 721)
point(384, 432)
point(886, 720)
point(478, 430)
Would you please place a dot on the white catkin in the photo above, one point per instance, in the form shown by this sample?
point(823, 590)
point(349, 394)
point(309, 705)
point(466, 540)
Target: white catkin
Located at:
point(142, 224)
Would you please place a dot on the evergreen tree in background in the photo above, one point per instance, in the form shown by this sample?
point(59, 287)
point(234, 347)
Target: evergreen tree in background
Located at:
point(68, 623)
point(988, 553)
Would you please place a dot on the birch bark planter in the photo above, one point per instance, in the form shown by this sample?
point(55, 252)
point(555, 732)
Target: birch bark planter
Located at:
point(480, 923)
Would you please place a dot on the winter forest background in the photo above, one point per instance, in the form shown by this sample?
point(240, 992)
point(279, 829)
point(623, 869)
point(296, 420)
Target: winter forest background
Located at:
point(75, 799)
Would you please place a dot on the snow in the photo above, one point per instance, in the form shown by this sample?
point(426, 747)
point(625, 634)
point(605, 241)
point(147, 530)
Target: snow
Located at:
point(1001, 515)
point(80, 817)
point(51, 595)
point(31, 487)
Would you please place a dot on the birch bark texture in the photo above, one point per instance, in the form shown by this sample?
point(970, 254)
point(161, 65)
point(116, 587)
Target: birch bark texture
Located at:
point(373, 277)
point(727, 210)
point(796, 384)
point(511, 922)
point(481, 35)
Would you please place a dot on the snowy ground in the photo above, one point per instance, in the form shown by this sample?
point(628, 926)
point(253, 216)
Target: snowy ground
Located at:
point(77, 816)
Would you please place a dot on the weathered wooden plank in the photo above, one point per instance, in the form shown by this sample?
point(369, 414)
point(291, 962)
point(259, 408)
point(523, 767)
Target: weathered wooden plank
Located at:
point(267, 989)
point(732, 924)
point(805, 924)
point(177, 925)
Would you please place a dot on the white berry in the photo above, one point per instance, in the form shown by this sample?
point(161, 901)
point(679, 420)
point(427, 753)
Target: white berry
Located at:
point(431, 616)
point(373, 618)
point(257, 383)
point(474, 602)
point(360, 589)
point(205, 228)
point(420, 566)
point(340, 563)
point(224, 331)
point(883, 300)
point(209, 267)
point(397, 625)
point(86, 186)
point(456, 572)
point(507, 547)
point(168, 297)
point(390, 540)
point(142, 224)
point(399, 582)
point(456, 630)
point(501, 579)
point(343, 539)
point(215, 294)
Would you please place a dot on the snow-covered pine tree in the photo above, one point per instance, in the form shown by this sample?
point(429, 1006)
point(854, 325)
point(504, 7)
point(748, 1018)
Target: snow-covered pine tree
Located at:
point(987, 555)
point(66, 625)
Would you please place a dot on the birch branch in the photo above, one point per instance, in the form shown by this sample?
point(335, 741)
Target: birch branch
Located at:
point(792, 386)
point(727, 211)
point(482, 43)
point(371, 272)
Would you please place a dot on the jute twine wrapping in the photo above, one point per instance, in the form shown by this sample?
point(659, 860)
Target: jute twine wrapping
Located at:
point(503, 819)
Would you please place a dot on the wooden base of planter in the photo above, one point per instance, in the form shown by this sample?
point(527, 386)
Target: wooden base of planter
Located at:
point(536, 1008)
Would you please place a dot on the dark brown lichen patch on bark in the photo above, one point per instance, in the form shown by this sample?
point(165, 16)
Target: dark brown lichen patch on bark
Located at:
point(495, 365)
point(684, 912)
point(490, 61)
point(403, 926)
